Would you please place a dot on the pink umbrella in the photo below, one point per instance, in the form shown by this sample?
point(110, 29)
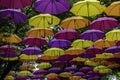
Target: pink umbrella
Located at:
point(8, 48)
point(40, 72)
point(15, 3)
point(104, 23)
point(35, 41)
point(67, 34)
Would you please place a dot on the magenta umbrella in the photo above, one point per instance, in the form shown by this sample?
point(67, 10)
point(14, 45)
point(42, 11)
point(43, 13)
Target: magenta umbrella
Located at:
point(12, 15)
point(92, 35)
point(52, 6)
point(15, 3)
point(40, 72)
point(32, 51)
point(59, 63)
point(8, 48)
point(59, 43)
point(104, 23)
point(35, 41)
point(67, 34)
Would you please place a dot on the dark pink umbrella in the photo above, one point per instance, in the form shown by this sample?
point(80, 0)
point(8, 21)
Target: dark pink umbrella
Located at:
point(12, 15)
point(32, 51)
point(15, 3)
point(85, 69)
point(59, 63)
point(22, 78)
point(52, 6)
point(40, 72)
point(8, 48)
point(113, 49)
point(104, 23)
point(71, 62)
point(93, 73)
point(35, 41)
point(92, 35)
point(67, 34)
point(94, 50)
point(59, 43)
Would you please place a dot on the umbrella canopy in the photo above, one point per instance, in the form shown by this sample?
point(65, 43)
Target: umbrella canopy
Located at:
point(53, 52)
point(74, 51)
point(79, 74)
point(52, 6)
point(26, 67)
point(79, 43)
point(54, 70)
point(44, 21)
point(32, 51)
point(24, 73)
point(94, 50)
point(8, 55)
point(10, 38)
point(8, 48)
point(15, 16)
point(92, 35)
point(37, 77)
point(68, 69)
point(22, 77)
point(35, 41)
point(104, 23)
point(59, 43)
point(104, 43)
point(38, 33)
point(65, 74)
point(44, 65)
point(15, 3)
point(59, 63)
point(87, 8)
point(51, 75)
point(113, 9)
point(113, 35)
point(85, 55)
point(105, 55)
point(67, 34)
point(74, 22)
point(40, 72)
point(113, 49)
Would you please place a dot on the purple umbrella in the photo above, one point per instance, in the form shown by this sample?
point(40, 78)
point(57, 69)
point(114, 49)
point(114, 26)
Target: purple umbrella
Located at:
point(32, 51)
point(117, 60)
point(35, 41)
point(92, 35)
point(52, 6)
point(79, 74)
point(113, 49)
point(67, 34)
point(67, 69)
point(22, 78)
point(54, 70)
point(85, 69)
point(8, 48)
point(118, 43)
point(104, 23)
point(59, 63)
point(76, 62)
point(94, 50)
point(87, 55)
point(59, 43)
point(8, 55)
point(15, 16)
point(40, 72)
point(34, 77)
point(94, 73)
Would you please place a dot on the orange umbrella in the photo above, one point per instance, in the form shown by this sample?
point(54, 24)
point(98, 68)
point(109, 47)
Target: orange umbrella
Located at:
point(74, 23)
point(11, 73)
point(26, 67)
point(75, 78)
point(37, 32)
point(51, 75)
point(117, 55)
point(65, 74)
point(113, 9)
point(104, 43)
point(74, 51)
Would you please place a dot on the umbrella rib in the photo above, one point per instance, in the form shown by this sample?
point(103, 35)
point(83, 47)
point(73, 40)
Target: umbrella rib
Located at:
point(47, 5)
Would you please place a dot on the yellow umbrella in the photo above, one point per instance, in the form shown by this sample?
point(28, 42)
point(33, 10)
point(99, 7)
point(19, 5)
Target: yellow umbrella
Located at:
point(24, 73)
point(79, 59)
point(11, 73)
point(113, 35)
point(113, 9)
point(65, 74)
point(53, 52)
point(9, 78)
point(44, 21)
point(74, 23)
point(37, 32)
point(44, 65)
point(9, 59)
point(79, 43)
point(74, 51)
point(104, 43)
point(87, 8)
point(10, 38)
point(104, 55)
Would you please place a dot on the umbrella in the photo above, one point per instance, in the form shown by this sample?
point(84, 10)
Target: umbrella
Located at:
point(76, 78)
point(79, 43)
point(32, 51)
point(44, 65)
point(9, 78)
point(10, 38)
point(34, 77)
point(74, 22)
point(59, 43)
point(9, 58)
point(87, 8)
point(22, 77)
point(53, 52)
point(79, 74)
point(67, 34)
point(15, 3)
point(44, 21)
point(113, 9)
point(40, 72)
point(8, 48)
point(87, 55)
point(14, 15)
point(92, 35)
point(74, 51)
point(105, 55)
point(65, 74)
point(26, 67)
point(68, 69)
point(11, 73)
point(51, 75)
point(85, 69)
point(94, 50)
point(104, 43)
point(59, 63)
point(38, 33)
point(8, 55)
point(52, 6)
point(35, 41)
point(54, 70)
point(104, 23)
point(113, 49)
point(113, 35)
point(24, 73)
